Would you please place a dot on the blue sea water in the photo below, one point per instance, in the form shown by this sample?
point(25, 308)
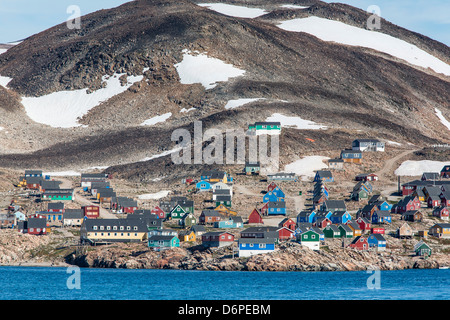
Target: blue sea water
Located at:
point(54, 283)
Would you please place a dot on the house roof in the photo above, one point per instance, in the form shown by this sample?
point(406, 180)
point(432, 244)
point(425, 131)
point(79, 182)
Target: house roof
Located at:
point(257, 240)
point(335, 204)
point(378, 236)
point(324, 174)
point(55, 206)
point(277, 204)
point(383, 213)
point(211, 213)
point(37, 223)
point(139, 223)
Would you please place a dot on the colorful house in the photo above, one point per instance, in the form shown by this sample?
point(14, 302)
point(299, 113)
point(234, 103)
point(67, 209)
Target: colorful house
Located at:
point(210, 217)
point(381, 216)
point(351, 156)
point(217, 239)
point(323, 175)
point(377, 241)
point(231, 222)
point(359, 243)
point(413, 216)
point(203, 185)
point(422, 249)
point(225, 200)
point(306, 216)
point(310, 239)
point(255, 217)
point(322, 222)
point(269, 128)
point(288, 223)
point(252, 168)
point(177, 212)
point(332, 231)
point(226, 211)
point(363, 223)
point(345, 231)
point(158, 212)
point(188, 220)
point(440, 230)
point(285, 233)
point(368, 145)
point(441, 212)
point(276, 208)
point(355, 228)
point(252, 246)
point(160, 242)
point(187, 236)
point(340, 217)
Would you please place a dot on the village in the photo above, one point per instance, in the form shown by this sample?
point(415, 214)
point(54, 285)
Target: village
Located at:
point(204, 213)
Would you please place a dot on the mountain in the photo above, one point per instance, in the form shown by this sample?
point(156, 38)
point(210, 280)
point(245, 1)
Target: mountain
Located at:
point(77, 98)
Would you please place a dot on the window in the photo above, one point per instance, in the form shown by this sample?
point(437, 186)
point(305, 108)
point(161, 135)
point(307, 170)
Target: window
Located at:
point(135, 228)
point(108, 228)
point(121, 227)
point(222, 237)
point(262, 245)
point(102, 227)
point(128, 228)
point(115, 228)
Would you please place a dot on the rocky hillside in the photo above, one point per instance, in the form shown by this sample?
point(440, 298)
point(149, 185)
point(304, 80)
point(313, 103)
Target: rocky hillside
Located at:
point(354, 91)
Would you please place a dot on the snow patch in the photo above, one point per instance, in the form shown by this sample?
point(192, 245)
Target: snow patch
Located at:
point(62, 109)
point(444, 121)
point(295, 122)
point(184, 110)
point(293, 6)
point(69, 173)
point(154, 196)
point(231, 104)
point(394, 143)
point(157, 119)
point(330, 30)
point(417, 168)
point(202, 69)
point(162, 154)
point(307, 166)
point(234, 11)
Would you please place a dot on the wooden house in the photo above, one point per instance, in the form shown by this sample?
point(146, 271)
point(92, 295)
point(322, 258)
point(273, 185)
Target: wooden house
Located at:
point(323, 175)
point(95, 231)
point(413, 216)
point(231, 222)
point(188, 220)
point(203, 185)
point(177, 212)
point(378, 230)
point(73, 217)
point(351, 156)
point(161, 242)
point(271, 197)
point(33, 173)
point(305, 216)
point(288, 223)
point(53, 218)
point(271, 186)
point(187, 236)
point(198, 229)
point(217, 239)
point(310, 239)
point(422, 249)
point(322, 222)
point(366, 177)
point(405, 231)
point(226, 211)
point(368, 145)
point(55, 207)
point(225, 200)
point(377, 241)
point(158, 212)
point(36, 225)
point(276, 208)
point(332, 231)
point(359, 243)
point(336, 164)
point(381, 216)
point(445, 172)
point(430, 176)
point(340, 217)
point(221, 192)
point(255, 217)
point(355, 228)
point(260, 232)
point(252, 246)
point(345, 231)
point(441, 212)
point(445, 198)
point(285, 233)
point(252, 168)
point(409, 203)
point(269, 128)
point(91, 212)
point(440, 230)
point(210, 217)
point(334, 205)
point(363, 223)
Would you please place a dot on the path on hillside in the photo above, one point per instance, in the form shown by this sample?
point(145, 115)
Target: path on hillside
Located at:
point(83, 201)
point(388, 168)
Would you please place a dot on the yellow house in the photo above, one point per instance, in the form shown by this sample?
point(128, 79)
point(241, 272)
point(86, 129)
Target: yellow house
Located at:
point(188, 236)
point(419, 194)
point(113, 230)
point(226, 211)
point(440, 230)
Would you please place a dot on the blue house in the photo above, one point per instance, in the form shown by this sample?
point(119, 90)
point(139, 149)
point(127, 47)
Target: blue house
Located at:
point(323, 175)
point(232, 222)
point(384, 206)
point(376, 240)
point(279, 193)
point(276, 207)
point(321, 214)
point(251, 246)
point(381, 216)
point(203, 185)
point(19, 216)
point(271, 197)
point(340, 217)
point(306, 216)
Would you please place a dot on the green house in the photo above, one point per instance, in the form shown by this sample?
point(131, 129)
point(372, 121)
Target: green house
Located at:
point(310, 239)
point(422, 249)
point(177, 212)
point(163, 241)
point(345, 231)
point(265, 128)
point(188, 220)
point(225, 200)
point(331, 231)
point(57, 196)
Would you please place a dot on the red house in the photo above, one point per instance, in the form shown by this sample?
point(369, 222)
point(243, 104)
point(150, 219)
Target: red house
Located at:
point(434, 201)
point(441, 212)
point(445, 198)
point(377, 230)
point(408, 203)
point(271, 186)
point(359, 243)
point(159, 212)
point(255, 217)
point(91, 212)
point(264, 209)
point(363, 223)
point(37, 225)
point(322, 222)
point(285, 233)
point(288, 223)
